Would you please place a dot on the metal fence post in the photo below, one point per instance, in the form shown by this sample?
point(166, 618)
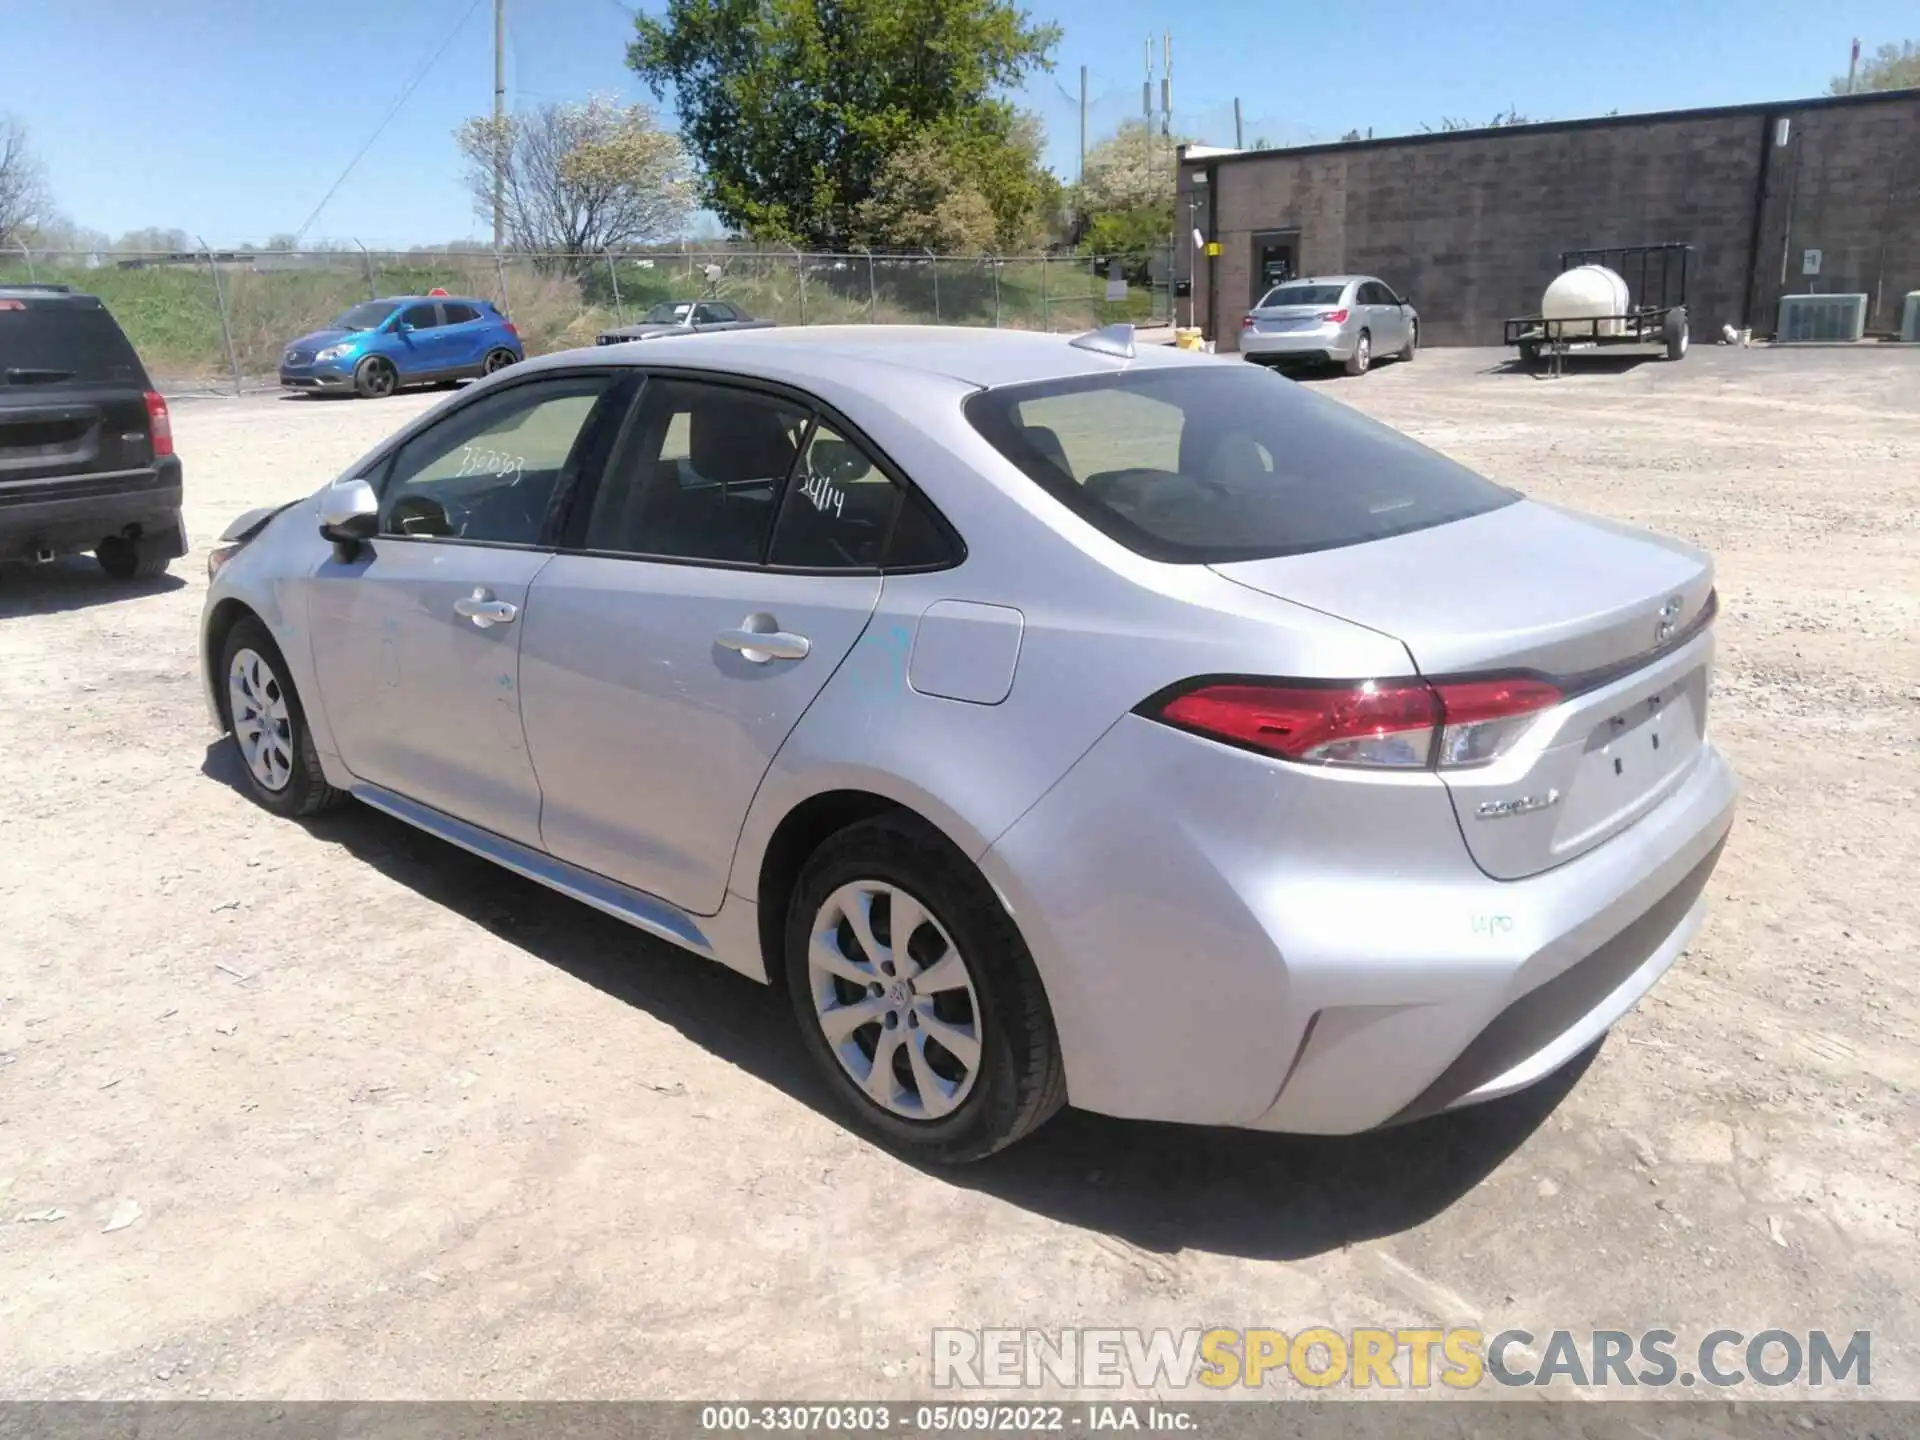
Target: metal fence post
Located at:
point(800, 271)
point(220, 300)
point(32, 277)
point(1046, 311)
point(934, 260)
point(619, 313)
point(994, 261)
point(373, 286)
point(500, 269)
point(873, 295)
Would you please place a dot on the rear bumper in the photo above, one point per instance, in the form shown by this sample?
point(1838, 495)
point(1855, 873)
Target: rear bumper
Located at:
point(1307, 347)
point(1230, 940)
point(76, 512)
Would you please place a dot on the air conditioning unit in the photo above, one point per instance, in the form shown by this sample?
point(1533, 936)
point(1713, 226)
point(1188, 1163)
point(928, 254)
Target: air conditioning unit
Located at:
point(1821, 317)
point(1910, 319)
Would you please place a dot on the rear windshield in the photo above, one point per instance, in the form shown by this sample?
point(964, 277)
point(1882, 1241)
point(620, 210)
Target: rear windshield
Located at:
point(1215, 462)
point(64, 342)
point(370, 316)
point(1302, 295)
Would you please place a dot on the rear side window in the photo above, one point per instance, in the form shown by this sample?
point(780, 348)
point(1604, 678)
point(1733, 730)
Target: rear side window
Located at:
point(1212, 462)
point(458, 314)
point(421, 317)
point(64, 342)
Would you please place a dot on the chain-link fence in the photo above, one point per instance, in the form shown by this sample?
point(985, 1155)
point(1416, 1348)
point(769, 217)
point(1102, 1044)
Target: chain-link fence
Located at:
point(220, 319)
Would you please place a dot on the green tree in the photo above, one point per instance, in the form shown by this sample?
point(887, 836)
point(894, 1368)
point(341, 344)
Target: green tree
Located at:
point(796, 107)
point(1891, 67)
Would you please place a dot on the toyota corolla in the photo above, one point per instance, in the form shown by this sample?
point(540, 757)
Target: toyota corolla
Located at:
point(1053, 720)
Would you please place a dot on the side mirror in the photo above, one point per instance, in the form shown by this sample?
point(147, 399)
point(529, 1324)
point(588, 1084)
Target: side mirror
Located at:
point(401, 327)
point(349, 516)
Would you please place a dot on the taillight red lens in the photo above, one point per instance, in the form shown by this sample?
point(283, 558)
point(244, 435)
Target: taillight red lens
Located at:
point(513, 329)
point(159, 424)
point(1394, 724)
point(1246, 322)
point(1378, 723)
point(1334, 317)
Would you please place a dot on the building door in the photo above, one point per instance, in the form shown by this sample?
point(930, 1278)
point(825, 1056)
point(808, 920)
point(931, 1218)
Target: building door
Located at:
point(1276, 257)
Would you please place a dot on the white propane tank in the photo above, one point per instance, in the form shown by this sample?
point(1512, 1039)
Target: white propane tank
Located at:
point(1592, 294)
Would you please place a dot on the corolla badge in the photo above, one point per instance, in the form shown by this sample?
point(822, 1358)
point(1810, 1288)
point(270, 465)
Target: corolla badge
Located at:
point(1519, 805)
point(1669, 620)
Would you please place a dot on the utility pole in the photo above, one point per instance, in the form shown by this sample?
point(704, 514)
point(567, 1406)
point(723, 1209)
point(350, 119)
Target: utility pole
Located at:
point(1083, 146)
point(499, 123)
point(1853, 65)
point(1239, 143)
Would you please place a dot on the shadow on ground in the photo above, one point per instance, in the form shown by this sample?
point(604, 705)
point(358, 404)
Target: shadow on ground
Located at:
point(1163, 1188)
point(73, 582)
point(1581, 363)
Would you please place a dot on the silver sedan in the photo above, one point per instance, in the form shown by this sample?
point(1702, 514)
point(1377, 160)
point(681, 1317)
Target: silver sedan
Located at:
point(1345, 320)
point(1048, 719)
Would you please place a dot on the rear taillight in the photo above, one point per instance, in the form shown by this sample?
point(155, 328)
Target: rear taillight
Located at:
point(1246, 322)
point(159, 424)
point(1382, 724)
point(1334, 317)
point(513, 330)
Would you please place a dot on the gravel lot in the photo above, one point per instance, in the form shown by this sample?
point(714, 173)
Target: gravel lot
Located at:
point(387, 1122)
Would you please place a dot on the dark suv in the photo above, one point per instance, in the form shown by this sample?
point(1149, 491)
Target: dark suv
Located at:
point(86, 446)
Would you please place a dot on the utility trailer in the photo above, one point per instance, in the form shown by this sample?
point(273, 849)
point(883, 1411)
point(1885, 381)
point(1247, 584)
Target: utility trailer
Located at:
point(1656, 313)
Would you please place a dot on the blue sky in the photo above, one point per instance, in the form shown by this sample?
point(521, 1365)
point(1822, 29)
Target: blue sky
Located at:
point(232, 120)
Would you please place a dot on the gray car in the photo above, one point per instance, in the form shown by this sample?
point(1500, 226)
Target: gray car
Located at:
point(1345, 320)
point(1049, 719)
point(684, 317)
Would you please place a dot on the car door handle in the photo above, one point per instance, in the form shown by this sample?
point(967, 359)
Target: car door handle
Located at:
point(761, 639)
point(485, 611)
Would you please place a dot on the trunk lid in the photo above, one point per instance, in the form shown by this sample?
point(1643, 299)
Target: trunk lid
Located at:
point(72, 392)
point(1282, 319)
point(1619, 618)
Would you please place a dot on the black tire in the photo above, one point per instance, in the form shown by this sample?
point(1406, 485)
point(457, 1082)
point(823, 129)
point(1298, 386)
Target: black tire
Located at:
point(498, 360)
point(1020, 1082)
point(306, 791)
point(1361, 360)
point(1529, 354)
point(1673, 330)
point(122, 559)
point(374, 378)
point(1412, 347)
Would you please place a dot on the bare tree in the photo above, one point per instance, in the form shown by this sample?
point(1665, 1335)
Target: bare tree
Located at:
point(579, 178)
point(24, 200)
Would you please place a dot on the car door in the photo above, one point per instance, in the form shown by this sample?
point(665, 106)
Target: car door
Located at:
point(462, 339)
point(725, 567)
point(1383, 317)
point(418, 339)
point(710, 315)
point(415, 638)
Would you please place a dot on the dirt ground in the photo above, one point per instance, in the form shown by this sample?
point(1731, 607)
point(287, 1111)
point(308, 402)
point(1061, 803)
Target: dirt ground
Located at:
point(383, 1122)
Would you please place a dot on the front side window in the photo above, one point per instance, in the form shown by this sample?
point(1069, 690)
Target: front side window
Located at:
point(701, 475)
point(1212, 463)
point(370, 316)
point(489, 470)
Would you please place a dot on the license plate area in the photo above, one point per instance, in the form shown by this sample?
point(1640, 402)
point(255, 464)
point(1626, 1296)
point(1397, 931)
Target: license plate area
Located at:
point(1632, 758)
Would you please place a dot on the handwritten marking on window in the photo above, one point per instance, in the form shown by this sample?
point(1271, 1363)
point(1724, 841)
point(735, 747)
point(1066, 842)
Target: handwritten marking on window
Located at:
point(475, 460)
point(825, 495)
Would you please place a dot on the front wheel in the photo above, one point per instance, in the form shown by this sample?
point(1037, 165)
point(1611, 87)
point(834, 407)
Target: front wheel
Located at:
point(269, 726)
point(1362, 356)
point(916, 996)
point(375, 377)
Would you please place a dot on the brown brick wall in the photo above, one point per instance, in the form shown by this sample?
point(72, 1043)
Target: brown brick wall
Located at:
point(1472, 226)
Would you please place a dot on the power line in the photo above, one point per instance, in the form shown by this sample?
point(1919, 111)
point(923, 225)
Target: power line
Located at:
point(406, 93)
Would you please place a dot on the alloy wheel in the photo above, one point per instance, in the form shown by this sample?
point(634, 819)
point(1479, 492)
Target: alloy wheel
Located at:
point(895, 1000)
point(262, 723)
point(497, 360)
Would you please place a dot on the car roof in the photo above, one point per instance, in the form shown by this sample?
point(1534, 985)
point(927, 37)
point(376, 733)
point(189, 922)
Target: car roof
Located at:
point(424, 300)
point(874, 353)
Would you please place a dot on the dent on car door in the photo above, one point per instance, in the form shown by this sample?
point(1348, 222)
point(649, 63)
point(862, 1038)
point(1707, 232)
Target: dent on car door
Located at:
point(415, 638)
point(668, 654)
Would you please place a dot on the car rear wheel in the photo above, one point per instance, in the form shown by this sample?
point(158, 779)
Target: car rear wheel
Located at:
point(916, 996)
point(269, 727)
point(375, 377)
point(122, 559)
point(1362, 355)
point(497, 360)
point(1412, 347)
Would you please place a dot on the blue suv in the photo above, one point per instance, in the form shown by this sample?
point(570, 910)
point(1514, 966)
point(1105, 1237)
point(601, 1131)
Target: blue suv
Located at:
point(377, 347)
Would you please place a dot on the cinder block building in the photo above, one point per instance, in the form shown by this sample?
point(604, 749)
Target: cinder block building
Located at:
point(1471, 224)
